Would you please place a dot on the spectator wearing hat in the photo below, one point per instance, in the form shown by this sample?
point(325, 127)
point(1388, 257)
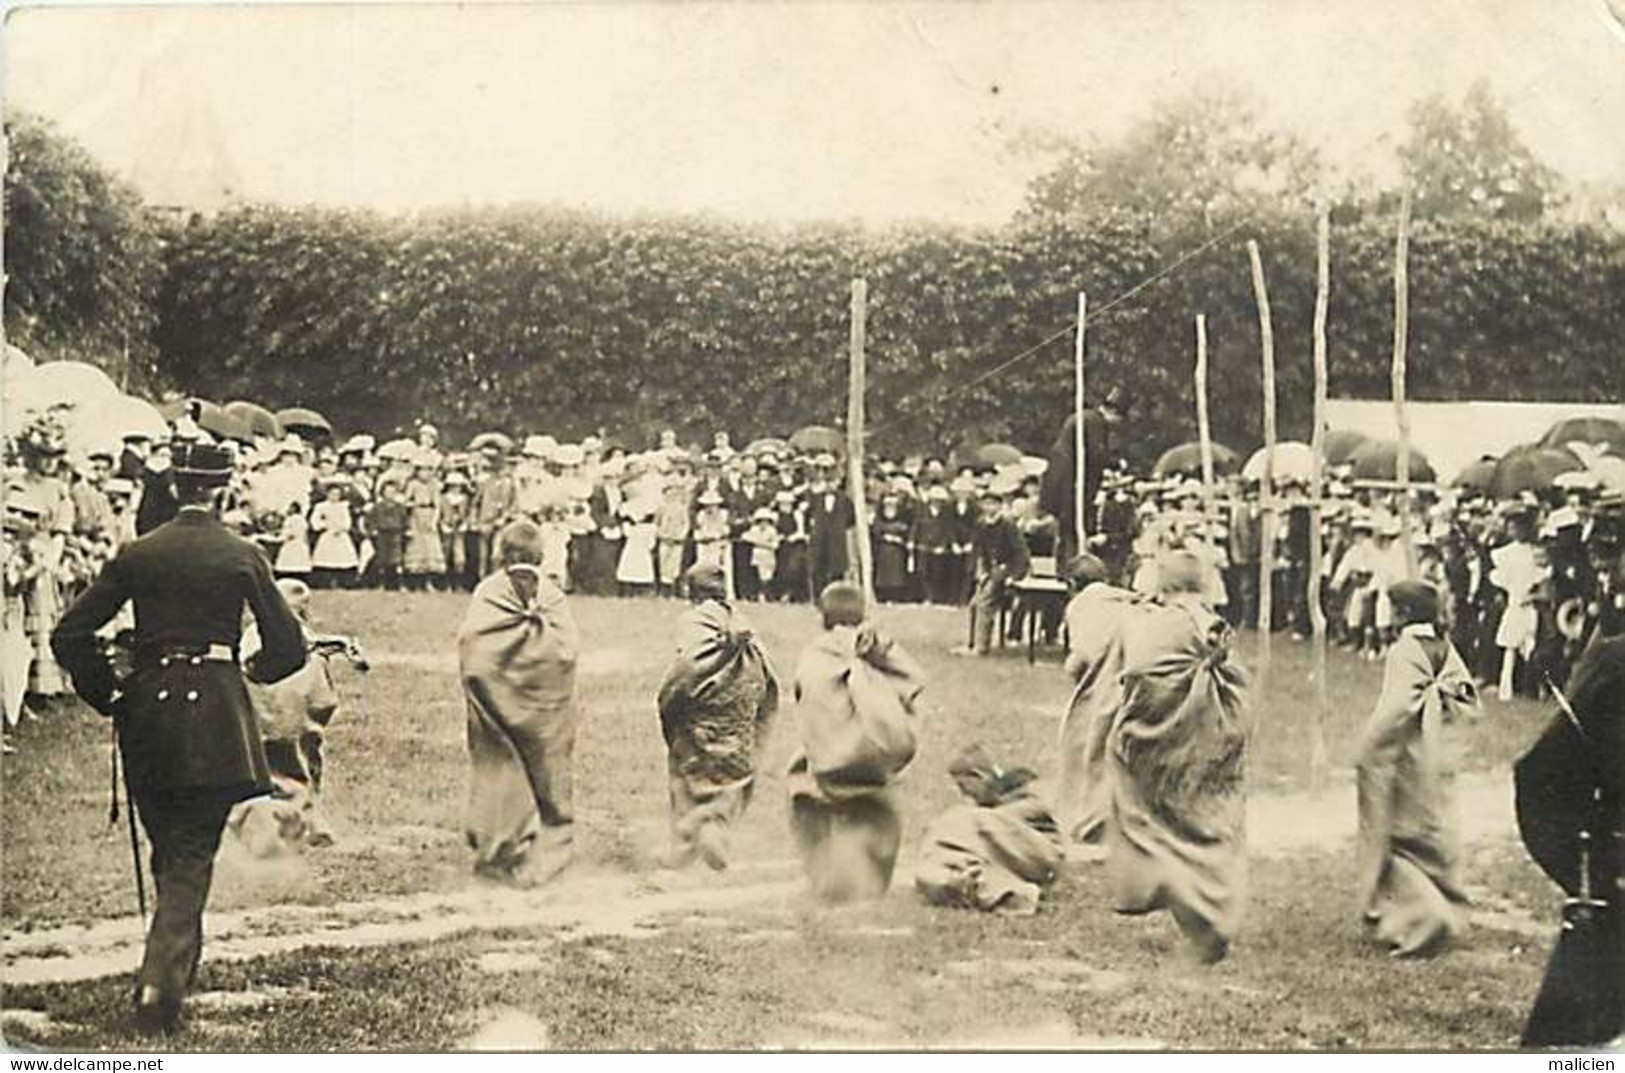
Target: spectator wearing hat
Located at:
point(762, 539)
point(293, 544)
point(425, 558)
point(1356, 578)
point(40, 484)
point(1001, 558)
point(334, 559)
point(790, 577)
point(604, 537)
point(674, 521)
point(493, 505)
point(455, 517)
point(711, 532)
point(931, 541)
point(387, 520)
point(889, 537)
point(746, 494)
point(963, 513)
point(829, 521)
point(1520, 571)
point(1568, 589)
point(187, 732)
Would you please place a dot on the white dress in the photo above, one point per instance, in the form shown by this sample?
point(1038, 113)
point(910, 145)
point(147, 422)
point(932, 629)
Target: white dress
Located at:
point(293, 557)
point(335, 548)
point(637, 565)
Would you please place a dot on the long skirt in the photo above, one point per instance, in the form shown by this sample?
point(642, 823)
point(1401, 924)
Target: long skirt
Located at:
point(42, 609)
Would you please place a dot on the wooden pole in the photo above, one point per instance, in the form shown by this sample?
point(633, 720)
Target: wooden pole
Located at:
point(1402, 309)
point(1203, 430)
point(1266, 493)
point(1080, 508)
point(1317, 614)
point(854, 440)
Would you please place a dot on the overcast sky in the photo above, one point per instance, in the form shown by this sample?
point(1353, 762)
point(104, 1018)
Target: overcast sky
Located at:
point(870, 110)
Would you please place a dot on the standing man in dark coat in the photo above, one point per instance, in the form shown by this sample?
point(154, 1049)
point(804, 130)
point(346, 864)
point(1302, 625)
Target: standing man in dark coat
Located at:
point(189, 736)
point(747, 493)
point(1571, 813)
point(1001, 557)
point(829, 519)
point(1058, 495)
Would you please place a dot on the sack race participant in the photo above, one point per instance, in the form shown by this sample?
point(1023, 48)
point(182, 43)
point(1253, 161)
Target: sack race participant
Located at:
point(1571, 813)
point(1410, 893)
point(517, 651)
point(186, 729)
point(855, 693)
point(998, 850)
point(294, 716)
point(716, 703)
point(1175, 763)
point(1095, 620)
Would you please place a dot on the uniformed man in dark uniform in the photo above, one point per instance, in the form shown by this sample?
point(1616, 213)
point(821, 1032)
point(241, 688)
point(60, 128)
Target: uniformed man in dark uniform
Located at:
point(189, 736)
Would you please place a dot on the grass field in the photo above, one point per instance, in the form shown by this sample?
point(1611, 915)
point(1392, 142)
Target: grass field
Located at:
point(781, 974)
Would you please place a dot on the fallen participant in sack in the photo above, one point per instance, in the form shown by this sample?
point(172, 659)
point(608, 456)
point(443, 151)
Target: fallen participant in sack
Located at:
point(294, 715)
point(998, 850)
point(1411, 894)
point(716, 704)
point(855, 692)
point(1176, 760)
point(517, 650)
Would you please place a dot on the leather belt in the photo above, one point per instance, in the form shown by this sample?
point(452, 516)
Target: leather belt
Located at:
point(214, 653)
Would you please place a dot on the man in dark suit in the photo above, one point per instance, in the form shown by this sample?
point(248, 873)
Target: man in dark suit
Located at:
point(1059, 493)
point(1001, 557)
point(829, 521)
point(188, 734)
point(747, 493)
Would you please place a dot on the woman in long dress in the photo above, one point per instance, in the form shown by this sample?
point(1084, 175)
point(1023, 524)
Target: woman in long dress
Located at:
point(425, 558)
point(42, 447)
point(517, 649)
point(1411, 894)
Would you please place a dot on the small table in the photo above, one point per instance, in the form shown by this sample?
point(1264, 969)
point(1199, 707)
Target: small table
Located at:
point(1040, 596)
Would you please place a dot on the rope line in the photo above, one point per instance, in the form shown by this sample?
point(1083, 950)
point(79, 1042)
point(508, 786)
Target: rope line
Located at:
point(1149, 281)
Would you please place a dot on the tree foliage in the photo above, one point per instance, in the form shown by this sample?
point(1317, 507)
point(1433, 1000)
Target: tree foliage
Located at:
point(83, 256)
point(1470, 161)
point(1194, 160)
point(570, 323)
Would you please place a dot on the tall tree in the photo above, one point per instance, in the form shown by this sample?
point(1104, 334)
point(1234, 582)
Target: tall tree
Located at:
point(1470, 160)
point(83, 256)
point(1195, 159)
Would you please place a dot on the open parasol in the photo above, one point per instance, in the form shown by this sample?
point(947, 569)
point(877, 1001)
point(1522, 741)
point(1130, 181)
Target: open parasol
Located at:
point(1341, 443)
point(301, 421)
point(1531, 468)
point(1596, 430)
point(816, 438)
point(1379, 461)
point(1187, 459)
point(1478, 476)
point(768, 445)
point(260, 421)
point(1294, 461)
point(222, 424)
point(72, 383)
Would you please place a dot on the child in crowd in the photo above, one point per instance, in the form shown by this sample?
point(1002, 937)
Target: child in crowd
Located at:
point(293, 553)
